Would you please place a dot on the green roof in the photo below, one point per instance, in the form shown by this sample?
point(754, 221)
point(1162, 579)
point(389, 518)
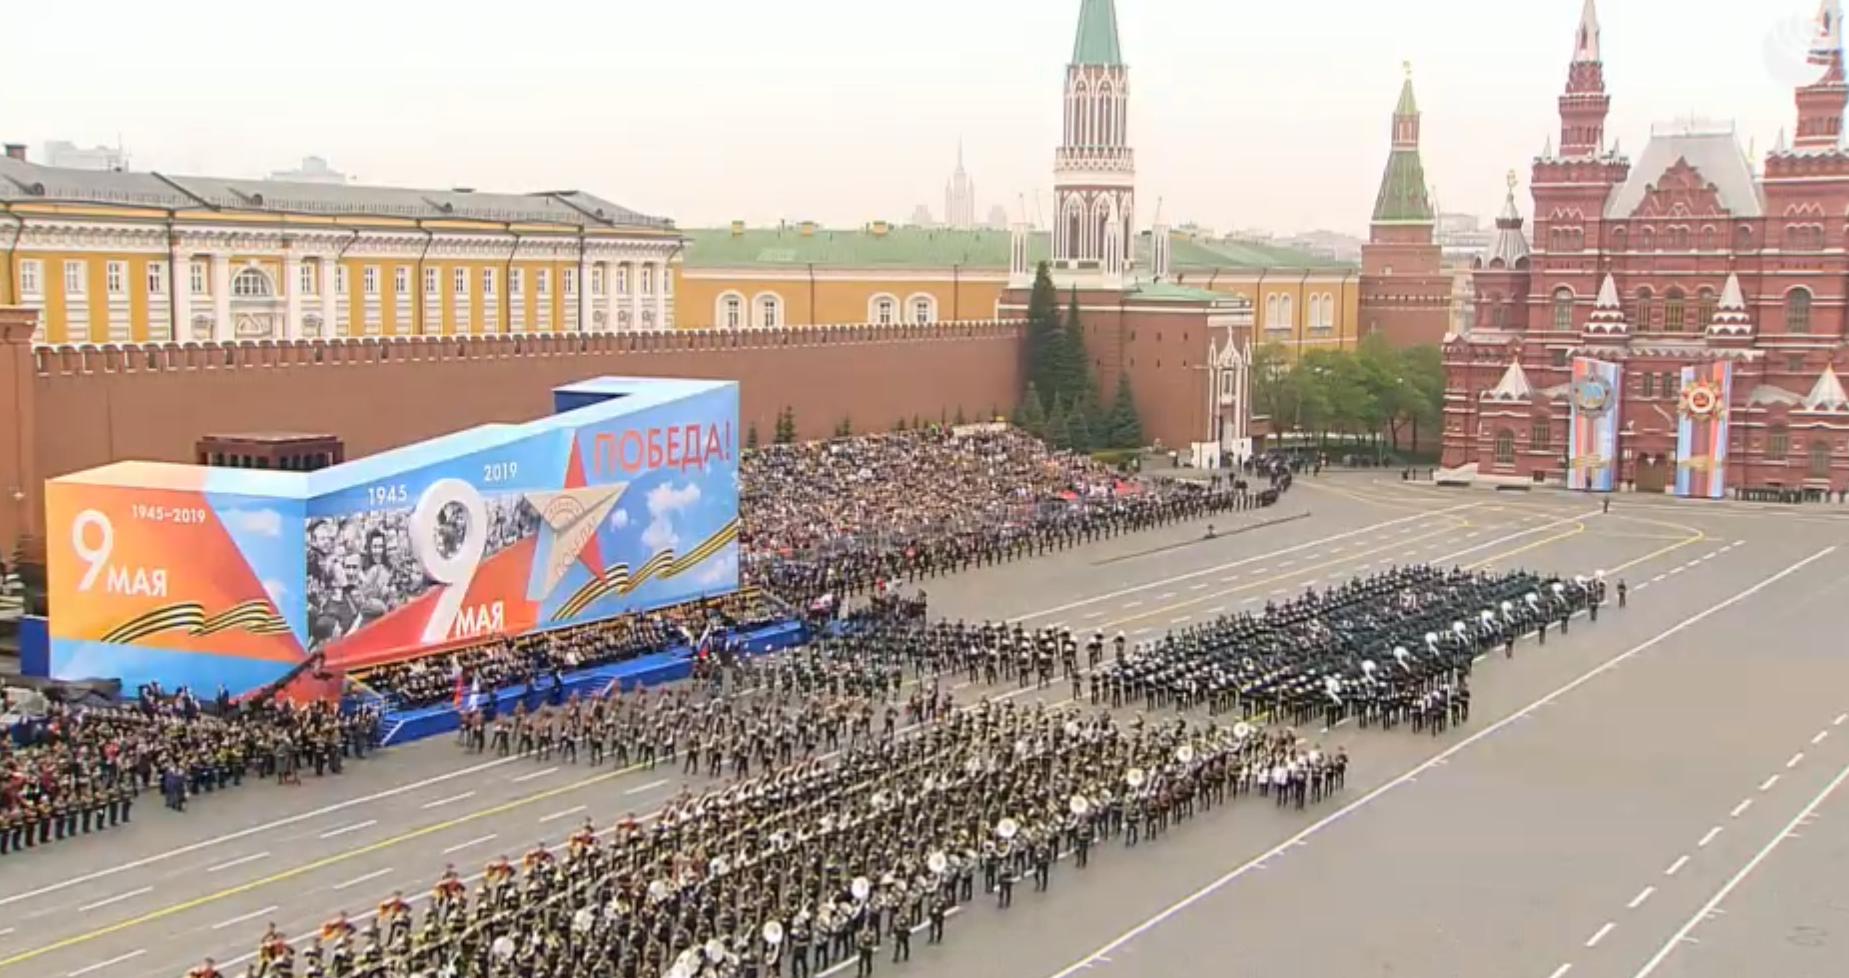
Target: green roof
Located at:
point(1408, 105)
point(899, 247)
point(1402, 189)
point(1170, 292)
point(1188, 254)
point(1096, 43)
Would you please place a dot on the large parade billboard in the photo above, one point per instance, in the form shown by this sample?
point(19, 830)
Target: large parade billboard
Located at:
point(1701, 429)
point(1592, 434)
point(626, 499)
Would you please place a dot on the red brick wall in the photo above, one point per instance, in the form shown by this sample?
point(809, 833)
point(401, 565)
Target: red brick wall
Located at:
point(99, 405)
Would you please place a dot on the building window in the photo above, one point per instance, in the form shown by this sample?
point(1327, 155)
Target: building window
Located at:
point(196, 278)
point(74, 278)
point(622, 280)
point(1563, 309)
point(1778, 442)
point(667, 280)
point(252, 284)
point(459, 281)
point(157, 278)
point(1498, 313)
point(1797, 311)
point(1648, 380)
point(732, 310)
point(770, 312)
point(306, 281)
point(1540, 436)
point(1505, 447)
point(923, 308)
point(1675, 311)
point(401, 280)
point(1672, 382)
point(1704, 309)
point(31, 277)
point(516, 281)
point(570, 276)
point(487, 281)
point(1794, 363)
point(597, 280)
point(648, 280)
point(1819, 459)
point(340, 279)
point(369, 280)
point(883, 310)
point(1560, 356)
point(430, 281)
point(542, 280)
point(1643, 311)
point(114, 275)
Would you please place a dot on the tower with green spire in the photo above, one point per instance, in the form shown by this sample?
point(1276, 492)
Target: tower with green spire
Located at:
point(1405, 294)
point(1094, 170)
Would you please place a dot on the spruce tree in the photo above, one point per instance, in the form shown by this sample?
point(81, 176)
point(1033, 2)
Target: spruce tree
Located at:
point(1058, 433)
point(1079, 434)
point(1033, 412)
point(1126, 429)
point(751, 435)
point(1043, 334)
point(1074, 363)
point(845, 428)
point(786, 426)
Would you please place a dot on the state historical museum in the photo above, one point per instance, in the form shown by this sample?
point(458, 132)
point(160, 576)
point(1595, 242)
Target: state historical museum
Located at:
point(1675, 322)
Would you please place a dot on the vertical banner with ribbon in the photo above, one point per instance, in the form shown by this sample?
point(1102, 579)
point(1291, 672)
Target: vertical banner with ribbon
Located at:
point(1701, 429)
point(1593, 433)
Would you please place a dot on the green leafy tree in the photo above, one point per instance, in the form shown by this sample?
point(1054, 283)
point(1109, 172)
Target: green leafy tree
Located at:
point(1124, 429)
point(1273, 395)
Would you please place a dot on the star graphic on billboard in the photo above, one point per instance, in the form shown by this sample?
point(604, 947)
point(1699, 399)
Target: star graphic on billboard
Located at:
point(571, 517)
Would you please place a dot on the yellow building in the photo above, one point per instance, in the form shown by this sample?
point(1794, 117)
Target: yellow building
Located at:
point(744, 278)
point(111, 257)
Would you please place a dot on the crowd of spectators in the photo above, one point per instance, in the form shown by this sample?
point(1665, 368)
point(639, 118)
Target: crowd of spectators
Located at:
point(79, 769)
point(837, 517)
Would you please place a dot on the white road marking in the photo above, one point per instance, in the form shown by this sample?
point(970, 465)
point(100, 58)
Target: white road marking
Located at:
point(1599, 934)
point(1230, 578)
point(1739, 877)
point(1839, 719)
point(221, 925)
point(651, 786)
point(1183, 618)
point(1676, 866)
point(1703, 844)
point(118, 898)
point(118, 959)
point(7, 930)
point(355, 827)
point(1795, 758)
point(555, 816)
point(1095, 614)
point(1820, 735)
point(252, 830)
point(1767, 784)
point(458, 847)
point(1199, 587)
point(1562, 970)
point(1217, 611)
point(1411, 774)
point(241, 860)
point(1165, 596)
point(536, 774)
point(1642, 895)
point(1141, 631)
point(440, 802)
point(1673, 571)
point(357, 880)
point(1741, 807)
point(1133, 604)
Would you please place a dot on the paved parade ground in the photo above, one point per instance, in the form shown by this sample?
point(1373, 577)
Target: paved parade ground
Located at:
point(1659, 793)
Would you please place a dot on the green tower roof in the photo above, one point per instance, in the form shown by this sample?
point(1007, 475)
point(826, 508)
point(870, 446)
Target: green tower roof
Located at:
point(1402, 189)
point(1408, 105)
point(1097, 39)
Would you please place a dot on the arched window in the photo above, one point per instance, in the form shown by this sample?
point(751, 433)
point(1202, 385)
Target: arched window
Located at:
point(1619, 239)
point(1797, 310)
point(1709, 238)
point(1646, 240)
point(1643, 311)
point(1272, 319)
point(1743, 239)
point(1678, 238)
point(731, 311)
point(1819, 458)
point(1505, 446)
point(1563, 309)
point(1285, 311)
point(1704, 308)
point(1675, 310)
point(1778, 442)
point(883, 309)
point(769, 310)
point(1498, 311)
point(921, 308)
point(251, 283)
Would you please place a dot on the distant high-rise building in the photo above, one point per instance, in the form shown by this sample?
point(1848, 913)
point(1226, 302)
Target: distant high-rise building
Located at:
point(960, 197)
point(998, 218)
point(314, 169)
point(921, 217)
point(62, 152)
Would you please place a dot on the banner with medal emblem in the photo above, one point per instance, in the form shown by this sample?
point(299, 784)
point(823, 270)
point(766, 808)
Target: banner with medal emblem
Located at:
point(1592, 437)
point(1701, 430)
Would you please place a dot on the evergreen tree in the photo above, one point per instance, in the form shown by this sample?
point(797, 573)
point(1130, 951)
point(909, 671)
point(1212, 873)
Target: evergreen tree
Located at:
point(1043, 334)
point(960, 419)
point(1079, 433)
point(1058, 432)
point(845, 428)
point(1033, 413)
point(1125, 428)
point(899, 425)
point(786, 426)
point(1074, 363)
point(751, 435)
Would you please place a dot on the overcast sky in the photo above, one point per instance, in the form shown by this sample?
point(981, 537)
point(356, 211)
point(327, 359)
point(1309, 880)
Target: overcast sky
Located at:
point(1271, 115)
